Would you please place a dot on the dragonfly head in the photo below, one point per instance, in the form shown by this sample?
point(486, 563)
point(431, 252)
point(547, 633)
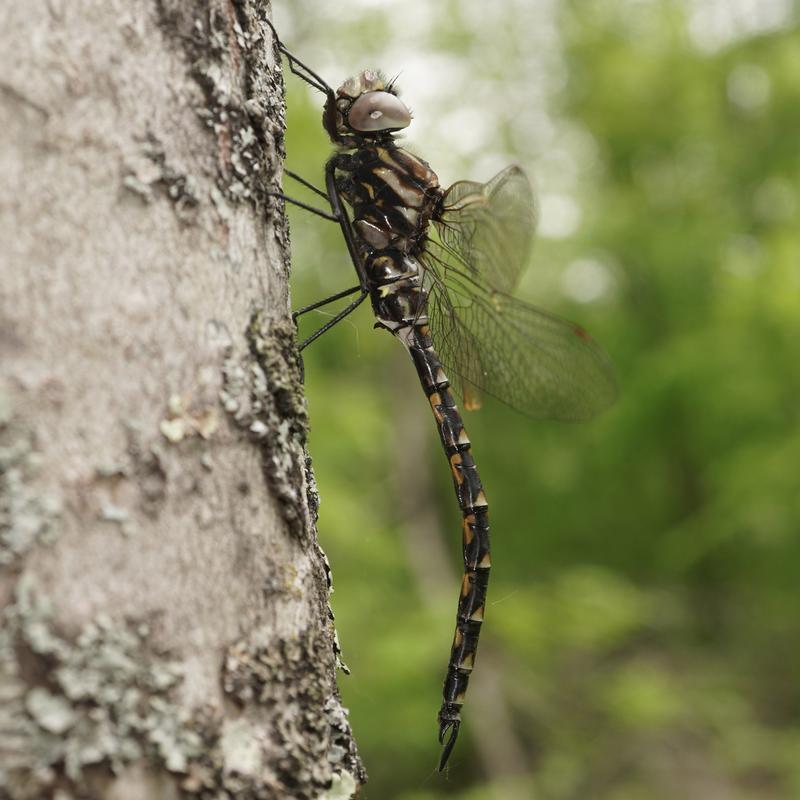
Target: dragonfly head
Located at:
point(367, 105)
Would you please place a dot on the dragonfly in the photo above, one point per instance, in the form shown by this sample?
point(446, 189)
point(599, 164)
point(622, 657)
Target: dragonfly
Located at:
point(440, 266)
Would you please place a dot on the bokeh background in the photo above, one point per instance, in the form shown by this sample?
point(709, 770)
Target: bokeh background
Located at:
point(643, 631)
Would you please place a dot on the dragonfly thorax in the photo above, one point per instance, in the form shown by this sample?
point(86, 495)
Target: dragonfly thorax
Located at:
point(393, 194)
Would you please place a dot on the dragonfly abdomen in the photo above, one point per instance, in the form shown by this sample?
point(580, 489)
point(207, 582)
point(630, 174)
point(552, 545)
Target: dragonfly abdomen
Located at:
point(396, 291)
point(475, 529)
point(394, 195)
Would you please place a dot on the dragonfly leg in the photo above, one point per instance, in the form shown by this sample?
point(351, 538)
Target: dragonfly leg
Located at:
point(338, 318)
point(318, 211)
point(324, 301)
point(298, 68)
point(307, 184)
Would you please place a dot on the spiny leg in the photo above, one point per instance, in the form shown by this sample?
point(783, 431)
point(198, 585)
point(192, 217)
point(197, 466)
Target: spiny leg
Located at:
point(324, 301)
point(318, 211)
point(305, 73)
point(324, 214)
point(315, 81)
point(309, 76)
point(338, 318)
point(318, 83)
point(319, 303)
point(340, 215)
point(306, 183)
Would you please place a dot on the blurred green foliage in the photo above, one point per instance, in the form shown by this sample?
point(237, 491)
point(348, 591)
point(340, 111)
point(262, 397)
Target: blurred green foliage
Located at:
point(645, 629)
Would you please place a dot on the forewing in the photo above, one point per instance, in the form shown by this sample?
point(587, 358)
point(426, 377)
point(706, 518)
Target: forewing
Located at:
point(490, 226)
point(535, 362)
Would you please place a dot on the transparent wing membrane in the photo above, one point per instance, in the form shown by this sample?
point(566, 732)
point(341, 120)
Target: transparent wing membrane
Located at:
point(541, 365)
point(491, 226)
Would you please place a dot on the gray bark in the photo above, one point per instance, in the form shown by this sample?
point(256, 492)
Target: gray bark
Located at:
point(167, 631)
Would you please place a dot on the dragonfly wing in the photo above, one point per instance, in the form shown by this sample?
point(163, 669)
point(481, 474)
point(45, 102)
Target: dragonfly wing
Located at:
point(490, 226)
point(535, 362)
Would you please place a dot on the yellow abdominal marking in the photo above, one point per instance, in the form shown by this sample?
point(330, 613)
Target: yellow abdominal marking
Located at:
point(455, 463)
point(477, 615)
point(469, 534)
point(435, 401)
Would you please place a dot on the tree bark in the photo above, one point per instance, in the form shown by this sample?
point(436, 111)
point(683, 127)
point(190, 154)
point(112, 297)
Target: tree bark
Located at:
point(167, 631)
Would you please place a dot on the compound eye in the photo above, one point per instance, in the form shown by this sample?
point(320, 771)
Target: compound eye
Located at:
point(378, 111)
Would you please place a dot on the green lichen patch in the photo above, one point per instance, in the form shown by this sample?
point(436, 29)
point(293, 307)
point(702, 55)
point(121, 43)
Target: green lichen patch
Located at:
point(311, 744)
point(28, 515)
point(262, 391)
point(105, 697)
point(291, 738)
point(343, 787)
point(75, 709)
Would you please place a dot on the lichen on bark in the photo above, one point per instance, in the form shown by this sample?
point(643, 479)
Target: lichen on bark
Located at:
point(110, 696)
point(263, 392)
point(28, 514)
point(106, 696)
point(157, 554)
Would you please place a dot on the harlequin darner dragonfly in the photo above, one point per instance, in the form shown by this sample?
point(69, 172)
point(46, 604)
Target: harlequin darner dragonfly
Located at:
point(446, 294)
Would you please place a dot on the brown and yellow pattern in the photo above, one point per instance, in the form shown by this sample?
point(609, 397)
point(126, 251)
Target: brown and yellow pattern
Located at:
point(535, 362)
point(394, 195)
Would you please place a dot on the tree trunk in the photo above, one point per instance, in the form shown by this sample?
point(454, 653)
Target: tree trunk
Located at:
point(167, 631)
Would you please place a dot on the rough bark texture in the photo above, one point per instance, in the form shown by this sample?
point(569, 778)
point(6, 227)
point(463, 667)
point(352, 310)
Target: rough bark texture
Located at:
point(167, 631)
